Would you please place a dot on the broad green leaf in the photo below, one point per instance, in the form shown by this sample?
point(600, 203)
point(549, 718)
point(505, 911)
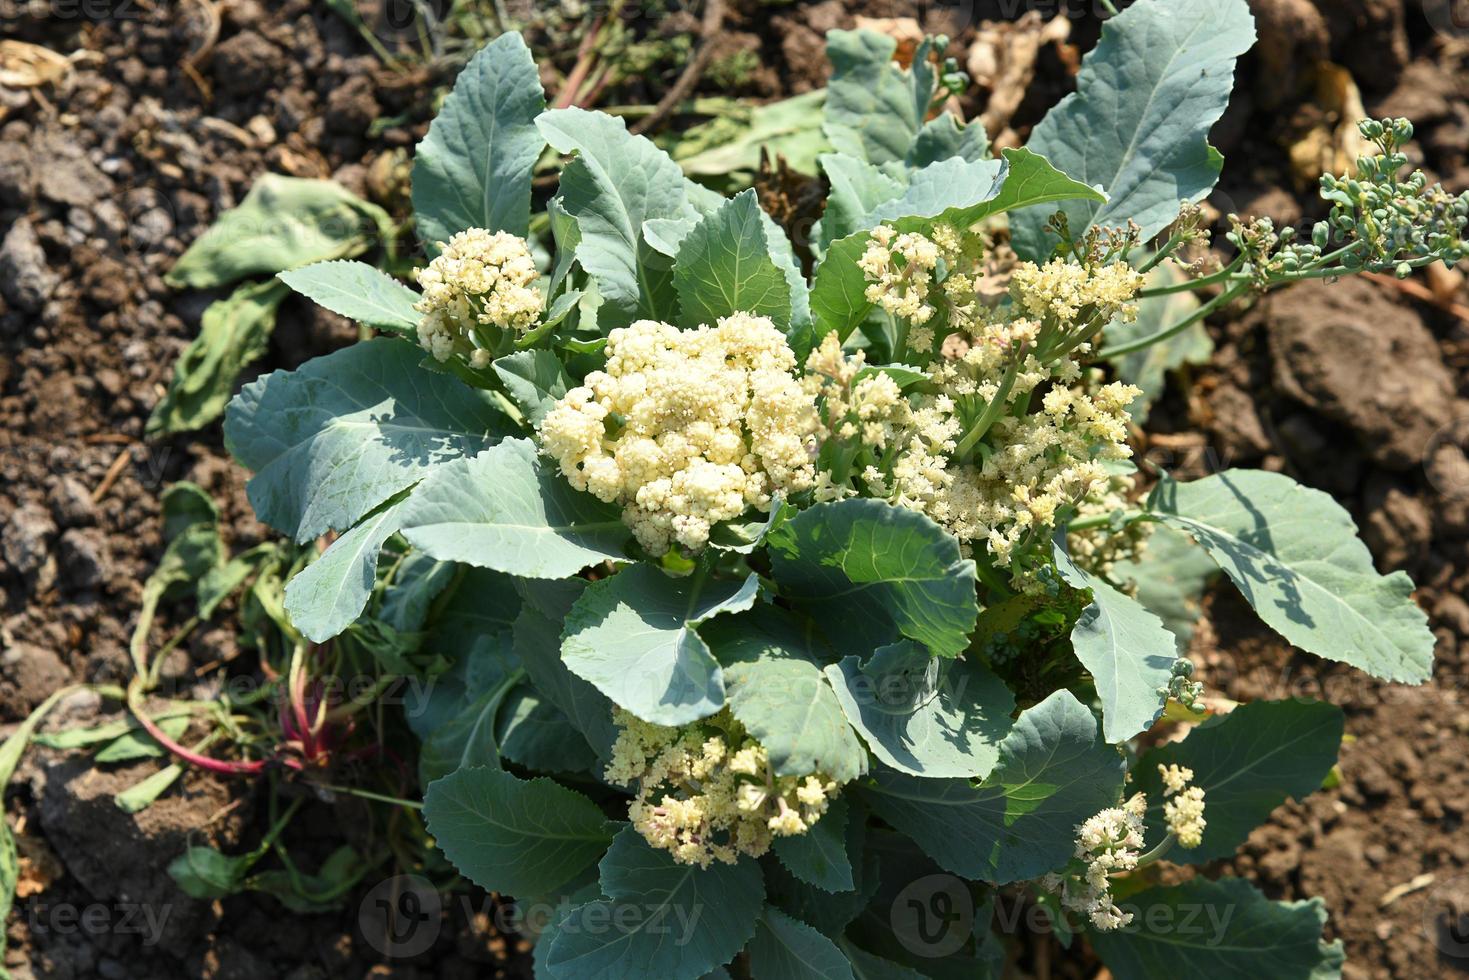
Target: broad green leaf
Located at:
point(205, 873)
point(923, 715)
point(730, 149)
point(538, 645)
point(868, 966)
point(783, 254)
point(1170, 577)
point(326, 596)
point(829, 912)
point(1247, 763)
point(233, 332)
point(869, 573)
point(857, 188)
point(724, 266)
point(943, 137)
point(962, 193)
point(1148, 368)
point(1222, 928)
point(819, 856)
point(142, 794)
point(535, 734)
point(469, 738)
point(514, 836)
point(617, 182)
point(788, 949)
point(506, 509)
point(633, 636)
point(332, 440)
point(1138, 123)
point(358, 292)
point(478, 665)
point(535, 379)
point(284, 222)
point(772, 672)
point(473, 169)
point(658, 919)
point(138, 744)
point(874, 109)
point(1295, 555)
point(839, 300)
point(1054, 772)
point(1125, 648)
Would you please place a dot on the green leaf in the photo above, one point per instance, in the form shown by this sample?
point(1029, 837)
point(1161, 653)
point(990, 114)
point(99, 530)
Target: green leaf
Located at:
point(962, 193)
point(827, 911)
point(787, 949)
point(1222, 928)
point(234, 331)
point(358, 292)
point(633, 636)
point(925, 716)
point(514, 836)
point(1053, 773)
point(1125, 648)
point(473, 169)
point(205, 873)
point(332, 440)
point(874, 109)
point(138, 744)
point(659, 919)
point(839, 300)
point(535, 734)
point(535, 379)
point(142, 794)
point(1138, 123)
point(857, 188)
point(1170, 577)
point(1295, 555)
point(538, 645)
point(789, 128)
point(772, 672)
point(819, 856)
point(1247, 763)
point(505, 509)
point(943, 137)
point(469, 739)
point(870, 573)
point(326, 596)
point(284, 222)
point(617, 182)
point(1148, 368)
point(724, 266)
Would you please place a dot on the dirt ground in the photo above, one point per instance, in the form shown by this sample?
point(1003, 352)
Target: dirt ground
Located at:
point(165, 120)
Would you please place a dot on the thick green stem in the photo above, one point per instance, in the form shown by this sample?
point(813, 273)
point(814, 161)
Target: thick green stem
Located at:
point(1223, 299)
point(992, 412)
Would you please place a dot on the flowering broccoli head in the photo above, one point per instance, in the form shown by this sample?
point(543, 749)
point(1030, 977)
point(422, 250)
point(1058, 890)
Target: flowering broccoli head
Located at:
point(478, 293)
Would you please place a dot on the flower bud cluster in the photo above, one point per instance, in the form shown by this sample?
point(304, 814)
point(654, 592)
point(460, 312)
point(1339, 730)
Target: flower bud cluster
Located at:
point(1107, 843)
point(706, 792)
point(1184, 812)
point(478, 289)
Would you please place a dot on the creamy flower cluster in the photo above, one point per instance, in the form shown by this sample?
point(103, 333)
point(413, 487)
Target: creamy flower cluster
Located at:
point(1099, 549)
point(861, 418)
point(479, 285)
point(1106, 844)
point(1184, 812)
point(706, 792)
point(687, 428)
point(1065, 295)
point(899, 270)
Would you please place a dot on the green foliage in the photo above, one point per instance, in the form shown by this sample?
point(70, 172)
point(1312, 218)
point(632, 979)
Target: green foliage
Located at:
point(358, 292)
point(724, 266)
point(819, 857)
point(874, 109)
point(787, 949)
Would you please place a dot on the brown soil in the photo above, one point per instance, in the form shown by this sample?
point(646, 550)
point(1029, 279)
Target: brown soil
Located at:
point(106, 177)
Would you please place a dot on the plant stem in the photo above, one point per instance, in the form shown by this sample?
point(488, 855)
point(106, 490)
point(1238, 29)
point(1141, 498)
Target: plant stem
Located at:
point(992, 411)
point(1223, 299)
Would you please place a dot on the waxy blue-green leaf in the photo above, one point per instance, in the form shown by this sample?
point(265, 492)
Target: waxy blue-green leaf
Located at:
point(1247, 763)
point(1148, 368)
point(507, 509)
point(724, 266)
point(464, 706)
point(772, 673)
point(473, 169)
point(953, 187)
point(633, 636)
point(874, 109)
point(283, 223)
point(1054, 772)
point(358, 292)
point(857, 188)
point(788, 949)
point(659, 919)
point(789, 128)
point(1138, 123)
point(819, 856)
point(943, 137)
point(830, 912)
point(1224, 928)
point(535, 379)
point(922, 715)
point(869, 573)
point(233, 332)
point(536, 734)
point(617, 182)
point(538, 645)
point(1170, 576)
point(330, 593)
point(1125, 648)
point(514, 836)
point(1295, 555)
point(332, 440)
